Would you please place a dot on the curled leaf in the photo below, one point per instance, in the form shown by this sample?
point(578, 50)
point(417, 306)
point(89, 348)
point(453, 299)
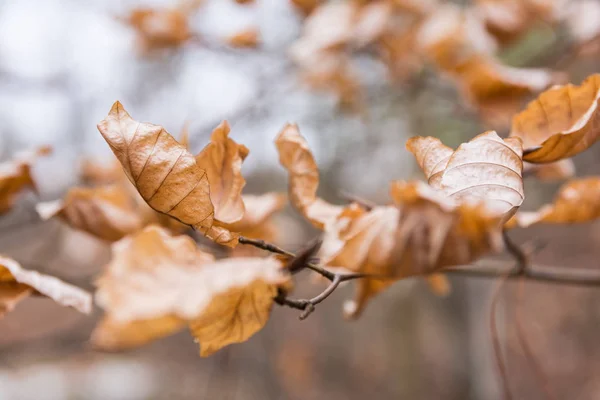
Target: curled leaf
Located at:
point(16, 283)
point(108, 213)
point(487, 169)
point(296, 157)
point(562, 122)
point(155, 279)
point(15, 176)
point(576, 202)
point(165, 174)
point(222, 160)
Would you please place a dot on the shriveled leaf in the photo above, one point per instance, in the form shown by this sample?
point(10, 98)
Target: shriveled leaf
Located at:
point(15, 176)
point(111, 335)
point(222, 160)
point(165, 174)
point(248, 38)
point(154, 277)
point(259, 208)
point(16, 283)
point(424, 233)
point(487, 169)
point(109, 213)
point(562, 122)
point(303, 173)
point(577, 201)
point(95, 173)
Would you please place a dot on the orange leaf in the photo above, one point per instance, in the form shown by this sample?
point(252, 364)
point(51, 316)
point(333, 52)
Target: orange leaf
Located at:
point(577, 201)
point(159, 29)
point(165, 174)
point(15, 176)
point(562, 122)
point(16, 283)
point(296, 157)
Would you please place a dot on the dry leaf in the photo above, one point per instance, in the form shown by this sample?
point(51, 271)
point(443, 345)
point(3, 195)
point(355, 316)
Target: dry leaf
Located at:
point(96, 173)
point(16, 283)
point(577, 201)
point(306, 6)
point(165, 174)
point(108, 212)
point(487, 169)
point(248, 38)
point(222, 160)
point(15, 176)
point(154, 279)
point(424, 233)
point(160, 28)
point(562, 122)
point(296, 157)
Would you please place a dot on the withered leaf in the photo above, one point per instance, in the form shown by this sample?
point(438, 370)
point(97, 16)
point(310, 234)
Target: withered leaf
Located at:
point(15, 176)
point(165, 174)
point(16, 283)
point(155, 278)
point(108, 213)
point(423, 233)
point(562, 122)
point(296, 157)
point(487, 168)
point(222, 160)
point(558, 170)
point(577, 201)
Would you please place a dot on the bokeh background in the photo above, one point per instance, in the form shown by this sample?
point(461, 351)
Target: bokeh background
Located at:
point(64, 62)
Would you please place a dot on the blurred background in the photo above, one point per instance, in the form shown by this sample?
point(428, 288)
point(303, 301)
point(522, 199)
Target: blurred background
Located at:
point(64, 62)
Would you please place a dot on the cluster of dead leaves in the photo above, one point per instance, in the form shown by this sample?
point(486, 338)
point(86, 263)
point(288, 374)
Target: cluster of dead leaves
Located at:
point(455, 219)
point(156, 284)
point(161, 182)
point(169, 28)
point(461, 42)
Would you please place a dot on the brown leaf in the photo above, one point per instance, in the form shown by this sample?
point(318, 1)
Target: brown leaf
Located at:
point(222, 160)
point(160, 28)
point(424, 233)
point(296, 157)
point(248, 38)
point(108, 213)
point(16, 283)
point(95, 173)
point(155, 278)
point(487, 169)
point(306, 6)
point(576, 202)
point(164, 173)
point(560, 123)
point(15, 176)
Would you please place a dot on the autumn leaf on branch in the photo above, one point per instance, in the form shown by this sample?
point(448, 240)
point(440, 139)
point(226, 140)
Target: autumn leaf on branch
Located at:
point(577, 201)
point(562, 122)
point(156, 283)
point(17, 283)
point(296, 157)
point(170, 179)
point(486, 169)
point(15, 176)
point(424, 232)
point(108, 213)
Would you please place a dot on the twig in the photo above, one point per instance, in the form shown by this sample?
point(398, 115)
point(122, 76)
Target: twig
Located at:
point(308, 306)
